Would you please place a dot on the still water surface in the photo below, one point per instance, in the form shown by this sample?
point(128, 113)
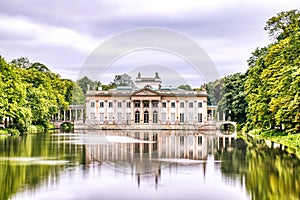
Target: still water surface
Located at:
point(144, 165)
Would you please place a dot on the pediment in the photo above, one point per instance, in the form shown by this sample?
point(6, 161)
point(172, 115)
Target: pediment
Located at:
point(145, 92)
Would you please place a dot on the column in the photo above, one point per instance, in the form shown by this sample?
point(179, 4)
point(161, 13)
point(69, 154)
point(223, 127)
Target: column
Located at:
point(124, 108)
point(142, 112)
point(70, 119)
point(177, 111)
point(64, 115)
point(195, 115)
point(186, 113)
point(76, 113)
point(105, 110)
point(168, 112)
point(132, 111)
point(150, 112)
point(159, 113)
point(115, 110)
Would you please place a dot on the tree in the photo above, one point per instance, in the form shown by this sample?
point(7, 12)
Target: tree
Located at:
point(185, 87)
point(84, 82)
point(272, 85)
point(21, 62)
point(121, 80)
point(283, 24)
point(214, 92)
point(233, 97)
point(13, 95)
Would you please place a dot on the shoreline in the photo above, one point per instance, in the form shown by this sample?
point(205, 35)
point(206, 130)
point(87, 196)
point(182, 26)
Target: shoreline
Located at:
point(290, 143)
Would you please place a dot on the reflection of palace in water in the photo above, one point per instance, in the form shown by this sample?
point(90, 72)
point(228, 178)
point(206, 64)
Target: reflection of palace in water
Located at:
point(144, 152)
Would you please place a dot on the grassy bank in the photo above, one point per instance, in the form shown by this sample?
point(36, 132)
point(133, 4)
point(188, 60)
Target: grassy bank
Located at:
point(32, 129)
point(291, 141)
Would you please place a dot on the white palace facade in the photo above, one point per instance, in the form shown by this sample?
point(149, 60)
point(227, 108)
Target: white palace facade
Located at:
point(146, 104)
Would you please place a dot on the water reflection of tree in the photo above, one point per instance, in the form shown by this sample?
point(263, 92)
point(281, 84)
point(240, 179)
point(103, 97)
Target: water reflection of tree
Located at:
point(15, 175)
point(267, 173)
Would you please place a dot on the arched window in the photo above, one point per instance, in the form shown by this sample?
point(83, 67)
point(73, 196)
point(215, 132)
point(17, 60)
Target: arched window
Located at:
point(137, 117)
point(146, 117)
point(155, 117)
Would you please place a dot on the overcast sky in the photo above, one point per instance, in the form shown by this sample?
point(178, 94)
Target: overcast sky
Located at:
point(62, 34)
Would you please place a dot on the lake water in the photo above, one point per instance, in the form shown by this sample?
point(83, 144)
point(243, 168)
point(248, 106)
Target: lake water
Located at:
point(144, 165)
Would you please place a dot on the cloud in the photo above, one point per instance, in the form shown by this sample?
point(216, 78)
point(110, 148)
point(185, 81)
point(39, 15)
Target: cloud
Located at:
point(63, 33)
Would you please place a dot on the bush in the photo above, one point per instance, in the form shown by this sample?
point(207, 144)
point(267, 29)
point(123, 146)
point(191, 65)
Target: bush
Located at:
point(3, 132)
point(50, 126)
point(40, 128)
point(32, 129)
point(67, 127)
point(13, 131)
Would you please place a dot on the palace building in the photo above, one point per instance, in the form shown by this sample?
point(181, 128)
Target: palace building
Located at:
point(146, 104)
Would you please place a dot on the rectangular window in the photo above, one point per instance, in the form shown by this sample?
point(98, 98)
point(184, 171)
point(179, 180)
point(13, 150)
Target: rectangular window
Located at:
point(163, 118)
point(181, 116)
point(110, 104)
point(119, 116)
point(128, 117)
point(92, 117)
point(172, 117)
point(155, 104)
point(199, 104)
point(101, 117)
point(199, 117)
point(101, 104)
point(110, 117)
point(155, 117)
point(181, 104)
point(128, 104)
point(172, 104)
point(190, 117)
point(137, 104)
point(191, 104)
point(119, 104)
point(92, 104)
point(164, 104)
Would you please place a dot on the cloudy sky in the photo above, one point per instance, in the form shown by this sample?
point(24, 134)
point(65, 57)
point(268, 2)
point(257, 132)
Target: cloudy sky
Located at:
point(62, 34)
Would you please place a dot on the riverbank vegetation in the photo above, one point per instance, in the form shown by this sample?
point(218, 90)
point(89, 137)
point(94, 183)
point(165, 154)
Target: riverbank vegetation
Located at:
point(30, 94)
point(267, 96)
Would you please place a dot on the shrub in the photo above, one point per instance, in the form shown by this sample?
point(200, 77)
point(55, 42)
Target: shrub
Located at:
point(67, 127)
point(13, 131)
point(3, 132)
point(50, 126)
point(40, 128)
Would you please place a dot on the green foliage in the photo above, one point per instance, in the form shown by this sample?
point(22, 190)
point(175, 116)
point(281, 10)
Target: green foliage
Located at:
point(31, 93)
point(67, 127)
point(3, 132)
point(233, 97)
point(49, 126)
point(272, 85)
point(283, 25)
point(214, 92)
point(13, 132)
point(185, 87)
point(85, 82)
point(121, 80)
point(107, 87)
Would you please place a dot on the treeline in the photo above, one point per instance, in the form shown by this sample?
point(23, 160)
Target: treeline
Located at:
point(30, 93)
point(267, 96)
